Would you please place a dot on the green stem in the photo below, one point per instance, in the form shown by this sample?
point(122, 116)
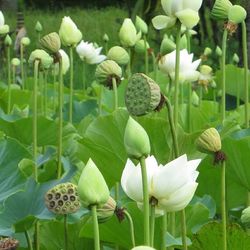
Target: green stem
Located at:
point(188, 36)
point(223, 206)
point(145, 201)
point(248, 199)
point(37, 241)
point(177, 72)
point(28, 239)
point(223, 69)
point(132, 231)
point(45, 92)
point(106, 47)
point(41, 87)
point(83, 77)
point(22, 67)
point(152, 225)
point(96, 227)
point(54, 92)
point(154, 65)
point(60, 119)
point(100, 100)
point(164, 230)
point(146, 54)
point(129, 63)
point(245, 59)
point(115, 93)
point(36, 68)
point(71, 88)
point(183, 229)
point(9, 79)
point(200, 95)
point(238, 95)
point(117, 188)
point(65, 232)
point(189, 106)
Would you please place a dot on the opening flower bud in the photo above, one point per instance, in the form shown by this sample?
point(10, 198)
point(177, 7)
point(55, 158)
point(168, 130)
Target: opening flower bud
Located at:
point(127, 33)
point(136, 140)
point(119, 55)
point(105, 38)
point(245, 217)
point(25, 41)
point(15, 62)
point(8, 41)
point(237, 14)
point(207, 51)
point(105, 212)
point(142, 95)
point(38, 27)
point(221, 9)
point(51, 42)
point(92, 188)
point(141, 25)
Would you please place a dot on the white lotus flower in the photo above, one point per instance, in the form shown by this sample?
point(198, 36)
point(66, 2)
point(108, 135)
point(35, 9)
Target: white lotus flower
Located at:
point(87, 52)
point(184, 10)
point(173, 185)
point(65, 63)
point(188, 68)
point(4, 28)
point(1, 18)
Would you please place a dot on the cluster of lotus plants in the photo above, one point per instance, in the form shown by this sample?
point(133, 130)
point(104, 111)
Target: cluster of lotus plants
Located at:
point(149, 159)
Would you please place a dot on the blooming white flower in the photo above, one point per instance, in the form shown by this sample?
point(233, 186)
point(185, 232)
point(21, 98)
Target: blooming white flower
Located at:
point(87, 52)
point(188, 68)
point(4, 28)
point(65, 62)
point(184, 10)
point(1, 18)
point(173, 185)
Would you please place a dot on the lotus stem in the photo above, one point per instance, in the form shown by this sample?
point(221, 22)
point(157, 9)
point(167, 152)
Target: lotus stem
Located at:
point(22, 67)
point(28, 239)
point(9, 80)
point(115, 93)
point(65, 231)
point(223, 205)
point(71, 87)
point(164, 230)
point(37, 230)
point(100, 100)
point(146, 54)
point(132, 231)
point(96, 227)
point(154, 65)
point(41, 90)
point(183, 229)
point(83, 77)
point(45, 92)
point(152, 225)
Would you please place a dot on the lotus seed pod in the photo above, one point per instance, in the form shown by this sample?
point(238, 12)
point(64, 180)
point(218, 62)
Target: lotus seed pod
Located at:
point(195, 98)
point(4, 29)
point(141, 25)
point(136, 140)
point(236, 58)
point(105, 38)
point(105, 212)
point(140, 46)
point(221, 9)
point(8, 41)
point(25, 41)
point(207, 51)
point(15, 62)
point(106, 70)
point(167, 46)
point(63, 199)
point(119, 55)
point(127, 33)
point(38, 27)
point(218, 51)
point(237, 14)
point(51, 42)
point(245, 217)
point(8, 244)
point(143, 248)
point(45, 59)
point(143, 95)
point(209, 141)
point(188, 17)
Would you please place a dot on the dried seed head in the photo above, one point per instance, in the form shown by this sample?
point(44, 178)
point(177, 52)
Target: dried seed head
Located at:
point(8, 244)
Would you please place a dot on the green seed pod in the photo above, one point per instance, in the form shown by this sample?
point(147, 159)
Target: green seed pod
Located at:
point(105, 212)
point(15, 62)
point(143, 95)
point(207, 51)
point(209, 141)
point(221, 9)
point(8, 244)
point(119, 55)
point(141, 25)
point(45, 59)
point(136, 140)
point(51, 42)
point(8, 41)
point(25, 41)
point(237, 14)
point(63, 199)
point(38, 27)
point(140, 46)
point(245, 217)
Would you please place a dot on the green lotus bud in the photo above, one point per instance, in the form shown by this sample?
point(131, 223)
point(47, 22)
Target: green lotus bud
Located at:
point(195, 99)
point(183, 42)
point(218, 51)
point(167, 46)
point(51, 42)
point(136, 140)
point(25, 41)
point(106, 70)
point(45, 59)
point(237, 14)
point(63, 199)
point(188, 17)
point(209, 141)
point(105, 38)
point(140, 47)
point(141, 25)
point(207, 51)
point(92, 188)
point(236, 58)
point(4, 29)
point(8, 41)
point(143, 248)
point(105, 212)
point(205, 70)
point(127, 33)
point(38, 27)
point(213, 84)
point(245, 217)
point(119, 55)
point(142, 95)
point(221, 9)
point(15, 62)
point(8, 244)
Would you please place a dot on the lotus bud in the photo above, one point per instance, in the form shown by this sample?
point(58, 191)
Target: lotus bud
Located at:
point(63, 199)
point(183, 42)
point(218, 51)
point(213, 84)
point(25, 41)
point(15, 62)
point(45, 59)
point(188, 17)
point(106, 70)
point(245, 217)
point(221, 9)
point(8, 41)
point(51, 42)
point(105, 212)
point(92, 188)
point(140, 47)
point(195, 99)
point(136, 140)
point(119, 55)
point(141, 25)
point(205, 70)
point(105, 38)
point(237, 14)
point(236, 58)
point(143, 248)
point(4, 29)
point(8, 244)
point(167, 46)
point(142, 95)
point(207, 51)
point(38, 27)
point(127, 33)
